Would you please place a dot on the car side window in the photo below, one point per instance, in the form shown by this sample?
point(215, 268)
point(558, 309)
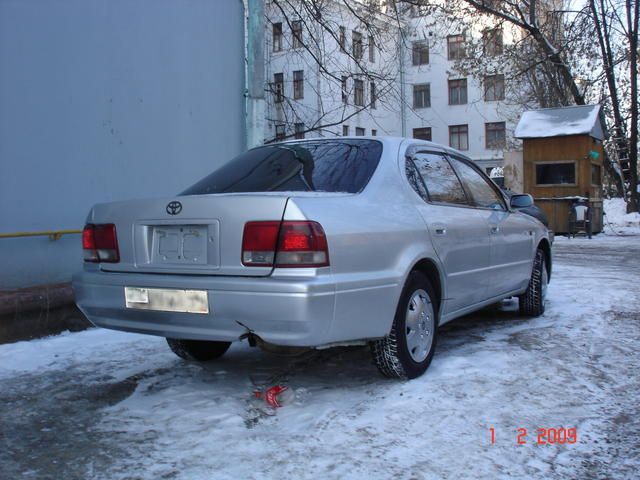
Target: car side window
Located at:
point(415, 180)
point(442, 183)
point(483, 195)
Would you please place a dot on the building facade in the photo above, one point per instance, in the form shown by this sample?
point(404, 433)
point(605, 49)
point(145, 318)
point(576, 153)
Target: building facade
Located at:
point(367, 70)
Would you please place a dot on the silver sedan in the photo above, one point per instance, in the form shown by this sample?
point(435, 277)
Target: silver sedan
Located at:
point(316, 243)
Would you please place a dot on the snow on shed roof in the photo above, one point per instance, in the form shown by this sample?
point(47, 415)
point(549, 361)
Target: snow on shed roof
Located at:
point(557, 122)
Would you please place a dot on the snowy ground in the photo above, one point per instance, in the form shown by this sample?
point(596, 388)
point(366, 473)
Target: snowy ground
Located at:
point(107, 405)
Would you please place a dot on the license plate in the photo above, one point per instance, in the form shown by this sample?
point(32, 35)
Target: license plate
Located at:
point(167, 300)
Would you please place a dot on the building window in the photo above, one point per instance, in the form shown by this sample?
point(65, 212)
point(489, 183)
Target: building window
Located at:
point(421, 96)
point(458, 92)
point(359, 132)
point(296, 30)
point(345, 130)
point(278, 87)
point(372, 49)
point(280, 133)
point(495, 135)
point(422, 133)
point(374, 94)
point(596, 175)
point(358, 92)
point(356, 45)
point(492, 42)
point(420, 53)
point(277, 37)
point(298, 84)
point(561, 173)
point(299, 130)
point(343, 39)
point(455, 47)
point(494, 88)
point(345, 91)
point(459, 137)
point(374, 132)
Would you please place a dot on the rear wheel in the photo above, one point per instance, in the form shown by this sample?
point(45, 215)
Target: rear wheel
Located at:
point(199, 350)
point(408, 349)
point(532, 301)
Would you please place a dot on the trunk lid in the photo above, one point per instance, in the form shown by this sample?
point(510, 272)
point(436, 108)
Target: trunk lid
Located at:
point(197, 234)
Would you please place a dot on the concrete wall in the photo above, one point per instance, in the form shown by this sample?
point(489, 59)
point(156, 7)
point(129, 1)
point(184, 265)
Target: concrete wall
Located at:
point(105, 100)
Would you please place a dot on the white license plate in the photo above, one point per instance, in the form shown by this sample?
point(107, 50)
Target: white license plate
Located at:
point(167, 300)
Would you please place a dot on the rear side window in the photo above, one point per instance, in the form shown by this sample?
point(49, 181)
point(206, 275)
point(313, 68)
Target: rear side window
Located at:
point(482, 193)
point(440, 180)
point(311, 166)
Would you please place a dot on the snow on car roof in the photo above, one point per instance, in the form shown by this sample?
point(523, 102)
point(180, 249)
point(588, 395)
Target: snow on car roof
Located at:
point(556, 122)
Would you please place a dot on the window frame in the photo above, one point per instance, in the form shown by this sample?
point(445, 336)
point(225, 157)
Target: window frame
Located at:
point(298, 85)
point(575, 173)
point(493, 89)
point(501, 146)
point(489, 44)
point(372, 50)
point(296, 34)
point(342, 38)
point(417, 49)
point(298, 130)
point(457, 126)
point(429, 129)
point(373, 94)
point(460, 43)
point(360, 132)
point(358, 92)
point(277, 36)
point(278, 87)
point(457, 84)
point(357, 48)
point(428, 90)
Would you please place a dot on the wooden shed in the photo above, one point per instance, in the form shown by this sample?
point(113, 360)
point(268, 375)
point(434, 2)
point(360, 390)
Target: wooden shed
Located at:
point(563, 161)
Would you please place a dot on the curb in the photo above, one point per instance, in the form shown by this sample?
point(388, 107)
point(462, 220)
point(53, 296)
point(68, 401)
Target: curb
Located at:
point(36, 312)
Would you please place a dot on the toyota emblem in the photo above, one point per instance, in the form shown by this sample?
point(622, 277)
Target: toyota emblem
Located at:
point(174, 208)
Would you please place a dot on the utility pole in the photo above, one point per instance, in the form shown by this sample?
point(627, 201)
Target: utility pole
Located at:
point(254, 72)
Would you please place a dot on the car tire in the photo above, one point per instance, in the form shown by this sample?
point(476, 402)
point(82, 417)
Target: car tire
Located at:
point(408, 349)
point(198, 350)
point(532, 301)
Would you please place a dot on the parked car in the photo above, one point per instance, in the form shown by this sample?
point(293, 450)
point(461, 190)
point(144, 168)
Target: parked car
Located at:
point(316, 243)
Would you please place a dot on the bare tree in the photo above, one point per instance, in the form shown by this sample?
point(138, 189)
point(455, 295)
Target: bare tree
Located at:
point(347, 51)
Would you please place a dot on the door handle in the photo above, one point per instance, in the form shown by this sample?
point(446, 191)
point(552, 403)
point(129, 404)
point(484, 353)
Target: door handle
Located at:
point(494, 229)
point(439, 228)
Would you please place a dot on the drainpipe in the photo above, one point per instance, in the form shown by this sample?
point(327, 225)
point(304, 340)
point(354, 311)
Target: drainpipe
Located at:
point(403, 111)
point(254, 72)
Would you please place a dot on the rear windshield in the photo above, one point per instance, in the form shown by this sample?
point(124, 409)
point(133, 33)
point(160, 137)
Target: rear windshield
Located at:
point(310, 166)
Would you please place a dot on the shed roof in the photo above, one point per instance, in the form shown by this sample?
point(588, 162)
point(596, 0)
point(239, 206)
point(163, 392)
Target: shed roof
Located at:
point(558, 122)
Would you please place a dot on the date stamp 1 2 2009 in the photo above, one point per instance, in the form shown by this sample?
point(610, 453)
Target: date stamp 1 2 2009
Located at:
point(542, 436)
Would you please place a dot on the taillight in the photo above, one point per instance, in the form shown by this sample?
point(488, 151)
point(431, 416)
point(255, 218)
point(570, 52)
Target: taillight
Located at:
point(100, 243)
point(284, 244)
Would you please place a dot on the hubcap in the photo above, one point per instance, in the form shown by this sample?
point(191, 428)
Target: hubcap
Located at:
point(419, 325)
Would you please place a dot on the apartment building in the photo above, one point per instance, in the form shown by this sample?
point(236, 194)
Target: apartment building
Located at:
point(364, 71)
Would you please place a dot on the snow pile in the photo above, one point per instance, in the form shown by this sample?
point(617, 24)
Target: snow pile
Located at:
point(616, 216)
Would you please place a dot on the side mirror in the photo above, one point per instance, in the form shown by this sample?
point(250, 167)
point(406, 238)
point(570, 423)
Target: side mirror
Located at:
point(521, 201)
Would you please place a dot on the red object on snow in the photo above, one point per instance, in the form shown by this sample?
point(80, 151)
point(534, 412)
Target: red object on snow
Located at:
point(271, 395)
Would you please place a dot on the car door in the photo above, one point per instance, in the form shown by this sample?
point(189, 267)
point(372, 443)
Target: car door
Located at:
point(511, 233)
point(459, 233)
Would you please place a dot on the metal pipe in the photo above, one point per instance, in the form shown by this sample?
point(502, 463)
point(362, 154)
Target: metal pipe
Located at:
point(52, 234)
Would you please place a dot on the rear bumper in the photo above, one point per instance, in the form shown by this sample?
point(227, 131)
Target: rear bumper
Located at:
point(283, 311)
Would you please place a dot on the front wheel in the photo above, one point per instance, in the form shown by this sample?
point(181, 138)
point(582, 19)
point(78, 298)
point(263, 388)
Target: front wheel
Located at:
point(532, 301)
point(408, 349)
point(199, 350)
